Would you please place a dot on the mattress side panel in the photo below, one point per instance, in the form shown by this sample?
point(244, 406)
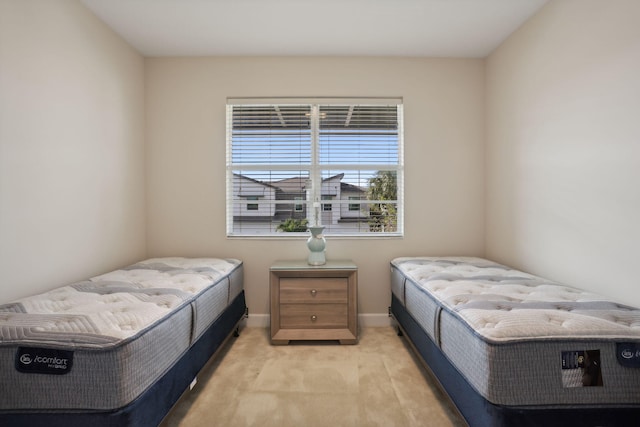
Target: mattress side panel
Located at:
point(236, 282)
point(529, 373)
point(209, 305)
point(397, 283)
point(423, 309)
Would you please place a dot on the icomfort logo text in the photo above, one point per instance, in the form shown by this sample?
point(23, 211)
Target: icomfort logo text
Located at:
point(43, 360)
point(51, 362)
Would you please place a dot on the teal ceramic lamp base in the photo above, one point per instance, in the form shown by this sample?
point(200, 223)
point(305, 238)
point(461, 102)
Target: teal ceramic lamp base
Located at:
point(316, 244)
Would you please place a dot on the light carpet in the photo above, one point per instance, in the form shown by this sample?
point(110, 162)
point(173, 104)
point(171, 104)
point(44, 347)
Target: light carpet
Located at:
point(377, 382)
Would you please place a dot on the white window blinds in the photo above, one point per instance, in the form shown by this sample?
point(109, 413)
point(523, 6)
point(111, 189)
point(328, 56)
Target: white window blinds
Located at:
point(336, 163)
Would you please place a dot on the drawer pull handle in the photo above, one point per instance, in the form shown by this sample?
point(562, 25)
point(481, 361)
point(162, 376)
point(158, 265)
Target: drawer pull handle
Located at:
point(314, 318)
point(313, 292)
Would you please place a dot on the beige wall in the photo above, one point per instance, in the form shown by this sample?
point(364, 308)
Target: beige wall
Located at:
point(71, 147)
point(563, 146)
point(557, 194)
point(443, 102)
point(562, 149)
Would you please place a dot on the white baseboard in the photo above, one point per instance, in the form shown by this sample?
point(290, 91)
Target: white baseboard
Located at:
point(366, 320)
point(258, 320)
point(374, 320)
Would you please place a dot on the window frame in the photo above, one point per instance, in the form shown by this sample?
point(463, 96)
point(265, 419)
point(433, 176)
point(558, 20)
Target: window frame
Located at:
point(314, 201)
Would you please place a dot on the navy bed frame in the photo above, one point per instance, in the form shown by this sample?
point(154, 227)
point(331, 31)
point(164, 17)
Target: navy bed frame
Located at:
point(479, 412)
point(151, 407)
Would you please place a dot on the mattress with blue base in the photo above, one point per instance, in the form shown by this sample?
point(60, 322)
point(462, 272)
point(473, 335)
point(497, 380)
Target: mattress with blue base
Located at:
point(514, 349)
point(119, 349)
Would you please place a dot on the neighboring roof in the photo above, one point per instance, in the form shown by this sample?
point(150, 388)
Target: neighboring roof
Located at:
point(266, 184)
point(298, 184)
point(346, 187)
point(291, 185)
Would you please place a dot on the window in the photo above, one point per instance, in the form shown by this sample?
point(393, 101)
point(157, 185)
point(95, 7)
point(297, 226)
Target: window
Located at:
point(326, 207)
point(252, 206)
point(337, 163)
point(354, 206)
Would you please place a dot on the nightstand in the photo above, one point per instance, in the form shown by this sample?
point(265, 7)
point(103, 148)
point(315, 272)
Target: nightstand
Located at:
point(314, 302)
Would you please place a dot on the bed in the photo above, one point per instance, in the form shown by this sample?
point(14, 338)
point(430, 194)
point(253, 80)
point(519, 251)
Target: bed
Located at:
point(118, 349)
point(513, 349)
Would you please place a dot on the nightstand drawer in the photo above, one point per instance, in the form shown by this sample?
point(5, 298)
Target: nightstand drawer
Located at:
point(309, 316)
point(314, 290)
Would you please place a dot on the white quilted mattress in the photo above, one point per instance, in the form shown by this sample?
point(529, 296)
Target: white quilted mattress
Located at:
point(505, 304)
point(111, 307)
point(100, 343)
point(515, 336)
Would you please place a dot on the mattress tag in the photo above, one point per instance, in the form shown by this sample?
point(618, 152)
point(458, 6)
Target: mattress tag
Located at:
point(581, 368)
point(572, 359)
point(628, 354)
point(32, 360)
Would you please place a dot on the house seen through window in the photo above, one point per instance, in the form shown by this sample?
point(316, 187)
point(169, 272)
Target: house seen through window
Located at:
point(295, 163)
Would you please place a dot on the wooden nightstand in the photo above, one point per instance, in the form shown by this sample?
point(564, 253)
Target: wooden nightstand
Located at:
point(314, 302)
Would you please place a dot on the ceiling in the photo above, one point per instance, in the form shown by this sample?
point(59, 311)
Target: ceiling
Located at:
point(436, 28)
